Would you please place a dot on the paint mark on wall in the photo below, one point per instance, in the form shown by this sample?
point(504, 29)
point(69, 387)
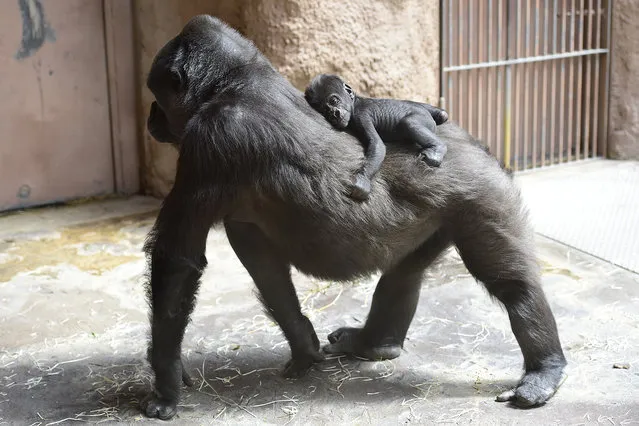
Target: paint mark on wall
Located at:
point(35, 28)
point(24, 191)
point(37, 67)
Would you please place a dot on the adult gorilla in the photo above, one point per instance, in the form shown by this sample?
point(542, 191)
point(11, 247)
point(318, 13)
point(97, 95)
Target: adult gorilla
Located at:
point(255, 156)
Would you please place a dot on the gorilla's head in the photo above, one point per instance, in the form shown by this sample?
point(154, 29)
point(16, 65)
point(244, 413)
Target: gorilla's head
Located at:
point(190, 69)
point(332, 97)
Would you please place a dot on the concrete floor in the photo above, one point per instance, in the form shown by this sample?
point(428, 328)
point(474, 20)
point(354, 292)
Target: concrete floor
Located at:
point(590, 205)
point(73, 333)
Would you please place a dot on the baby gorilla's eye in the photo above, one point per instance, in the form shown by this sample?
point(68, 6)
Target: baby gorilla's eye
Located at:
point(333, 101)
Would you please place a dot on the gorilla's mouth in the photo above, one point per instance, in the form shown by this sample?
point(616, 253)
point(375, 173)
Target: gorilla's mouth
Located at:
point(157, 124)
point(160, 136)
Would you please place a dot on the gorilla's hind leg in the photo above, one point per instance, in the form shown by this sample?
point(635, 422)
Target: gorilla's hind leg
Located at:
point(271, 274)
point(392, 309)
point(499, 252)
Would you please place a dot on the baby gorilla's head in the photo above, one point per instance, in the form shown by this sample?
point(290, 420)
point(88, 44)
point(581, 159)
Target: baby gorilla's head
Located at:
point(329, 95)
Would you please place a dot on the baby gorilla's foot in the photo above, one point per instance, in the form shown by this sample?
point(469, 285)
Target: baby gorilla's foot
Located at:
point(361, 188)
point(440, 116)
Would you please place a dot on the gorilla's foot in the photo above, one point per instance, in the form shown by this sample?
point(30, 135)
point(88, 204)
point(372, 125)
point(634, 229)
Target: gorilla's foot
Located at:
point(186, 378)
point(349, 341)
point(536, 387)
point(156, 407)
point(299, 365)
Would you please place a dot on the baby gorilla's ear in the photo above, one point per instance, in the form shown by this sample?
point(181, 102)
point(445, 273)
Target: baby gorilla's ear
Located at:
point(349, 91)
point(308, 94)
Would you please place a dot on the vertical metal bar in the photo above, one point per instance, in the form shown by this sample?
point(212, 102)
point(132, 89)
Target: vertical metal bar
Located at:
point(605, 90)
point(527, 87)
point(562, 86)
point(553, 84)
point(489, 80)
point(535, 72)
point(469, 73)
point(589, 63)
point(460, 74)
point(481, 57)
point(517, 69)
point(571, 82)
point(579, 83)
point(544, 88)
point(595, 79)
point(499, 115)
point(477, 53)
point(443, 59)
point(508, 86)
point(452, 91)
point(450, 103)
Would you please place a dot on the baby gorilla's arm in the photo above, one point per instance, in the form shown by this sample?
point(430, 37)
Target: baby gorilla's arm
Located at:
point(375, 152)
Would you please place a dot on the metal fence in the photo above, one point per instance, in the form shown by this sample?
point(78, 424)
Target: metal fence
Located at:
point(528, 77)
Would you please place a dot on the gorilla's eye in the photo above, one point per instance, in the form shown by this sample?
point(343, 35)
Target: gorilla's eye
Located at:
point(176, 78)
point(333, 101)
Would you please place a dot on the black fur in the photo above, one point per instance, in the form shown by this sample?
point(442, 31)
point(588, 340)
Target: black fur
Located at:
point(255, 156)
point(372, 120)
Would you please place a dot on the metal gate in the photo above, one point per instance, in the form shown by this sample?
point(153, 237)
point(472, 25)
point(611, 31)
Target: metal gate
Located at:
point(528, 77)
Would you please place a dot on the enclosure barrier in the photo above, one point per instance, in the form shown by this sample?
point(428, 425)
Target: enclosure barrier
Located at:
point(528, 77)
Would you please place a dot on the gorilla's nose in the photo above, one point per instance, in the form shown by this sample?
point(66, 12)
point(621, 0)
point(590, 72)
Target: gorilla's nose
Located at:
point(337, 114)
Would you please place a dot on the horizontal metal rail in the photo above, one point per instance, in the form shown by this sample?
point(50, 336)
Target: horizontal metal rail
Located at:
point(525, 60)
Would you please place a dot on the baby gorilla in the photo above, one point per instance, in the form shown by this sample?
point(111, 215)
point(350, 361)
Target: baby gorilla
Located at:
point(374, 120)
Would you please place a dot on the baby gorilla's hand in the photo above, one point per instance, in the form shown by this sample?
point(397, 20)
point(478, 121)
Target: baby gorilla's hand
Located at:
point(361, 188)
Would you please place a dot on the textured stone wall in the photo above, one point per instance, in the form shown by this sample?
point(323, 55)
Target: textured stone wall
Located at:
point(383, 48)
point(623, 130)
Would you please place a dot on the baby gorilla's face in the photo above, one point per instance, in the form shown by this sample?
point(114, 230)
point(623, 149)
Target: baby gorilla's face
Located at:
point(333, 98)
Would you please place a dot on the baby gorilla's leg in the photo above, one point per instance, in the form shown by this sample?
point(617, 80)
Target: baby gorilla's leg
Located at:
point(414, 128)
